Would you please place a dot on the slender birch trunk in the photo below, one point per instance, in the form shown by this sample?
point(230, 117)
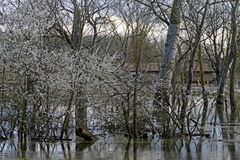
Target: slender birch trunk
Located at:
point(167, 65)
point(170, 50)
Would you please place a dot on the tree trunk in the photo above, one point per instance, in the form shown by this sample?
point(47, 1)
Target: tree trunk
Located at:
point(221, 86)
point(167, 63)
point(3, 101)
point(79, 22)
point(231, 89)
point(81, 109)
point(135, 129)
point(170, 50)
point(47, 112)
point(68, 116)
point(202, 81)
point(126, 114)
point(230, 58)
point(23, 112)
point(233, 66)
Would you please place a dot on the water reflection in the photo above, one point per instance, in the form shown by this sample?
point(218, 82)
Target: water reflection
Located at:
point(120, 148)
point(23, 149)
point(126, 155)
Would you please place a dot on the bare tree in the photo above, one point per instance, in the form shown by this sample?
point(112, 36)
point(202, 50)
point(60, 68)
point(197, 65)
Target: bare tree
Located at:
point(230, 59)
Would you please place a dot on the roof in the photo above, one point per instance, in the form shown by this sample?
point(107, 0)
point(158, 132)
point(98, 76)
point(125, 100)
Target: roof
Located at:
point(155, 67)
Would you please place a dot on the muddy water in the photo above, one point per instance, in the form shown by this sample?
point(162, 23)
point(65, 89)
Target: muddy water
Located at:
point(116, 147)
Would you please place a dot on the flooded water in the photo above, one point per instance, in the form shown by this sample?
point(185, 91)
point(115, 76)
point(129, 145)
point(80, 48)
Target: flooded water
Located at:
point(223, 144)
point(116, 147)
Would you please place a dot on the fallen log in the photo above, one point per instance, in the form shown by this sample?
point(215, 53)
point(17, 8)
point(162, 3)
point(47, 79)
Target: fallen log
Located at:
point(85, 134)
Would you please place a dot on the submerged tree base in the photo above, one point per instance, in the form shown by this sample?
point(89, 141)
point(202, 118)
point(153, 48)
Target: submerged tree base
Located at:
point(85, 134)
